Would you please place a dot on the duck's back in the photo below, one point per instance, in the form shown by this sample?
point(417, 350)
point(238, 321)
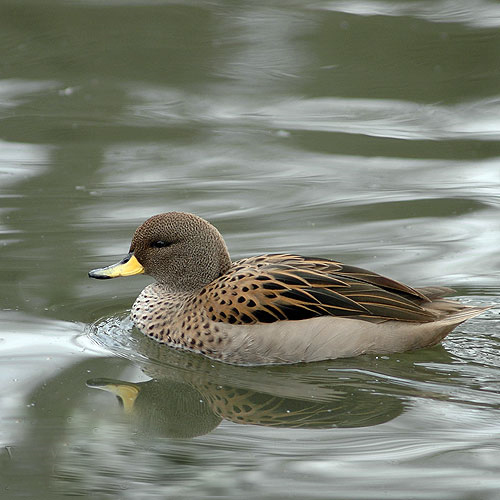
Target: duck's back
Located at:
point(277, 287)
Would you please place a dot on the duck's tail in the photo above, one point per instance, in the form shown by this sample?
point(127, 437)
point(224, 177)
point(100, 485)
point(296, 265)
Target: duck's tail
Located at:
point(465, 313)
point(435, 292)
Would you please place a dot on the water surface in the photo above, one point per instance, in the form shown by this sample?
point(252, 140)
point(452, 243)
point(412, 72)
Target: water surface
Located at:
point(364, 131)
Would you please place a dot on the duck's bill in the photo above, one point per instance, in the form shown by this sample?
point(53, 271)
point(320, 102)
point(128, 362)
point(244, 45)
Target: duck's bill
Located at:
point(126, 392)
point(126, 267)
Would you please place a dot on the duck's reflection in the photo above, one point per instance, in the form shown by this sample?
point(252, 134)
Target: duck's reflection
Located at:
point(189, 395)
point(163, 407)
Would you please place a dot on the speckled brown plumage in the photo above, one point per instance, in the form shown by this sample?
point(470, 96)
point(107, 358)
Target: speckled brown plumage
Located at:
point(279, 287)
point(272, 308)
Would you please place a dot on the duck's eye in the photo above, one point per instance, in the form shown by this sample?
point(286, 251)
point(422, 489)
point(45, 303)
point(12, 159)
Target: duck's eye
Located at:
point(160, 244)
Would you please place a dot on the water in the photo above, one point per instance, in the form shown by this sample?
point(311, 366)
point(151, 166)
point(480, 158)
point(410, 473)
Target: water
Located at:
point(362, 131)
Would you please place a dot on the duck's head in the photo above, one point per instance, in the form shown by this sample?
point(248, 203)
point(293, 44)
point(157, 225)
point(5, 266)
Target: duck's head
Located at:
point(181, 251)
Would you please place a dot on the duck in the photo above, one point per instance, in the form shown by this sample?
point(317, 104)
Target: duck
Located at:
point(276, 308)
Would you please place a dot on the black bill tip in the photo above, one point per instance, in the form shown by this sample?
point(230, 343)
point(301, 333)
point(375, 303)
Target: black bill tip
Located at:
point(96, 273)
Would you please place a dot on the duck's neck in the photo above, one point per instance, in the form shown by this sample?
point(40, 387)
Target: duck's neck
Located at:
point(194, 277)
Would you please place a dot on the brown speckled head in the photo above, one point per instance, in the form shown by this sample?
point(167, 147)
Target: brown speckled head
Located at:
point(181, 251)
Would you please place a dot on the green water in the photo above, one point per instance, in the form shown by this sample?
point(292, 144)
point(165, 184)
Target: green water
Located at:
point(363, 131)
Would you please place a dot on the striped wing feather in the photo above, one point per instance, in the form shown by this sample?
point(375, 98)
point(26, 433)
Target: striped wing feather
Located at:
point(278, 287)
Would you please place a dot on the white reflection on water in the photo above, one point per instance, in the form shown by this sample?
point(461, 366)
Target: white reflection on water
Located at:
point(372, 117)
point(475, 13)
point(14, 92)
point(31, 349)
point(20, 161)
point(390, 119)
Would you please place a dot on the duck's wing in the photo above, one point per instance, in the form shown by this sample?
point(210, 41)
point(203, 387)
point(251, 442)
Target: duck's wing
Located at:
point(277, 287)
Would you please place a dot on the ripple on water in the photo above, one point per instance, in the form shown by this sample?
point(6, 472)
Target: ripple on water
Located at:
point(479, 14)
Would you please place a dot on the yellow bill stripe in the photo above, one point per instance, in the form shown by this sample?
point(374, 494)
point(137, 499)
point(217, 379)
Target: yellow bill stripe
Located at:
point(126, 267)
